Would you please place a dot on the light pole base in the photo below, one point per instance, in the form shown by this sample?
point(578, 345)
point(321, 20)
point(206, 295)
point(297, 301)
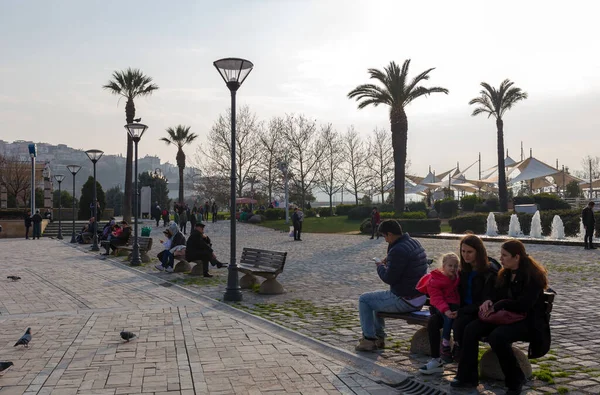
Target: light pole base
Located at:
point(233, 295)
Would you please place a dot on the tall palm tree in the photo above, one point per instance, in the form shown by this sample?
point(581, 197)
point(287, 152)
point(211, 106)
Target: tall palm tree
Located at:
point(180, 136)
point(495, 103)
point(397, 92)
point(130, 84)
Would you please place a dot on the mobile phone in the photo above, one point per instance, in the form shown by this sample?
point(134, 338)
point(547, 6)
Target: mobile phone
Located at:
point(376, 260)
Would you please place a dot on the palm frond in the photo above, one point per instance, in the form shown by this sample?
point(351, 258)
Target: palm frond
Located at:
point(422, 91)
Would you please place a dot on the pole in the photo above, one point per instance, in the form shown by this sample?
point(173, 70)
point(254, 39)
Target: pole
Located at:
point(233, 293)
point(135, 253)
point(95, 236)
point(60, 236)
point(32, 185)
point(591, 189)
point(563, 174)
point(287, 206)
point(73, 210)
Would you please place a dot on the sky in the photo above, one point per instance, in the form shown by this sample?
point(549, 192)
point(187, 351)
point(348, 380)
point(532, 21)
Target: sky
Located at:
point(308, 55)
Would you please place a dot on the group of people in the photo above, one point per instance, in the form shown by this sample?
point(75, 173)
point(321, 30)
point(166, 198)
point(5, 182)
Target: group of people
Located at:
point(34, 221)
point(467, 294)
point(198, 247)
point(182, 214)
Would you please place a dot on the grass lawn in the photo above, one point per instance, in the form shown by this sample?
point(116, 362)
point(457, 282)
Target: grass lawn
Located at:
point(339, 224)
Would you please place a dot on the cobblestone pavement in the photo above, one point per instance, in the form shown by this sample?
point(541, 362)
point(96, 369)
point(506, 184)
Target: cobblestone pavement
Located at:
point(325, 273)
point(76, 305)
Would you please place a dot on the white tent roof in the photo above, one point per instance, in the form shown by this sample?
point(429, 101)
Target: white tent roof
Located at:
point(532, 168)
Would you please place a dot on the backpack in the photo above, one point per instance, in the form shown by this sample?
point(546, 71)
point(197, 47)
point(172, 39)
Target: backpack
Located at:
point(164, 213)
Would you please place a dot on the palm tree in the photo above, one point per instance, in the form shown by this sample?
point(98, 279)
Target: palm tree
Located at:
point(495, 103)
point(397, 92)
point(130, 84)
point(180, 136)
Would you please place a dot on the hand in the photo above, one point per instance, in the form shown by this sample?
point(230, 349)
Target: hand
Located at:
point(160, 241)
point(451, 314)
point(214, 256)
point(384, 261)
point(486, 308)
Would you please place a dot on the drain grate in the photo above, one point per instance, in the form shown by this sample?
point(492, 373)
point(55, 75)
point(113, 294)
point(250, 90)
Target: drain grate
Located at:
point(411, 386)
point(166, 284)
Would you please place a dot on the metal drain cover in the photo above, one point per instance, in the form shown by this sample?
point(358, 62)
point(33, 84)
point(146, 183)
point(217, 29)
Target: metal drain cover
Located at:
point(411, 386)
point(166, 284)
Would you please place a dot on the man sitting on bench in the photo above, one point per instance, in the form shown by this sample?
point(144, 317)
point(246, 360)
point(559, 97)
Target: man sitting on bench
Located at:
point(119, 237)
point(199, 247)
point(405, 264)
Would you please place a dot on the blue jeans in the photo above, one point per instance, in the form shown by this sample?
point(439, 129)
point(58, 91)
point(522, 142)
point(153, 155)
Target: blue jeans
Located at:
point(370, 303)
point(447, 328)
point(167, 259)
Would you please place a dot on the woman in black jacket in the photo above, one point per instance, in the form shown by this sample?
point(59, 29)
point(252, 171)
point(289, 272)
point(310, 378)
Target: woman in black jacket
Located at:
point(519, 288)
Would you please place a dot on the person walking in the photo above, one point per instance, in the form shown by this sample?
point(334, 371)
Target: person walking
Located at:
point(375, 220)
point(215, 211)
point(192, 218)
point(589, 222)
point(156, 212)
point(297, 219)
point(206, 210)
point(27, 224)
point(183, 221)
point(37, 224)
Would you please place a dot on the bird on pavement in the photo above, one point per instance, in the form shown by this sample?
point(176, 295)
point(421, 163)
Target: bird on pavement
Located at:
point(14, 278)
point(127, 335)
point(5, 366)
point(25, 339)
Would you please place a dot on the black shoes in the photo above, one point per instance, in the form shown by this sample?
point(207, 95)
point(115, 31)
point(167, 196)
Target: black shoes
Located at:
point(456, 383)
point(207, 275)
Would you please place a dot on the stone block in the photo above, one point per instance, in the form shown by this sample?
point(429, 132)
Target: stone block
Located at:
point(419, 344)
point(489, 366)
point(248, 281)
point(182, 267)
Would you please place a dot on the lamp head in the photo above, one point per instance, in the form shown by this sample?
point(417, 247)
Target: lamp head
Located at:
point(74, 169)
point(233, 71)
point(94, 154)
point(136, 130)
point(59, 178)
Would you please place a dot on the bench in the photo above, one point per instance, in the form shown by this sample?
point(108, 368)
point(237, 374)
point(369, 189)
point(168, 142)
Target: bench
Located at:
point(262, 263)
point(145, 244)
point(489, 365)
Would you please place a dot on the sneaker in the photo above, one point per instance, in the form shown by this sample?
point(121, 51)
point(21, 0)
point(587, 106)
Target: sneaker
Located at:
point(380, 343)
point(436, 365)
point(446, 354)
point(366, 345)
point(159, 267)
point(169, 269)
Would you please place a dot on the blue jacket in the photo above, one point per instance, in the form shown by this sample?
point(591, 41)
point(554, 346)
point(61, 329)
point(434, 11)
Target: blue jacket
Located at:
point(406, 264)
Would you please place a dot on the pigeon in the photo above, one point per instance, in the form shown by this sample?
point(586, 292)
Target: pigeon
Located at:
point(14, 278)
point(25, 339)
point(5, 366)
point(127, 335)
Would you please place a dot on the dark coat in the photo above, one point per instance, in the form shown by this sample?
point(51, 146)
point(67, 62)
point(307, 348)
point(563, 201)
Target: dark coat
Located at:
point(482, 289)
point(587, 217)
point(522, 297)
point(406, 264)
point(27, 221)
point(36, 218)
point(198, 247)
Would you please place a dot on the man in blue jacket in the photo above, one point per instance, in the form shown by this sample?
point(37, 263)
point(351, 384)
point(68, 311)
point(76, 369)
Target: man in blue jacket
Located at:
point(405, 264)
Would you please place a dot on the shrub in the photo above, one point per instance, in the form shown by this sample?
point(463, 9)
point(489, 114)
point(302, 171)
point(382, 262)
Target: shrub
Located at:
point(412, 226)
point(343, 209)
point(548, 201)
point(13, 213)
point(360, 212)
point(325, 211)
point(417, 206)
point(387, 215)
point(448, 208)
point(274, 213)
point(492, 203)
point(476, 223)
point(481, 208)
point(468, 202)
point(523, 200)
point(413, 215)
point(308, 213)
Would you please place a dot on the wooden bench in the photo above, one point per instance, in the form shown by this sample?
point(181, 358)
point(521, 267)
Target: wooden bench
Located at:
point(262, 263)
point(145, 244)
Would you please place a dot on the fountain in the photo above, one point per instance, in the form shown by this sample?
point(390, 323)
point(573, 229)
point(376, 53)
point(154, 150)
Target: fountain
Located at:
point(581, 228)
point(514, 227)
point(558, 228)
point(536, 226)
point(492, 226)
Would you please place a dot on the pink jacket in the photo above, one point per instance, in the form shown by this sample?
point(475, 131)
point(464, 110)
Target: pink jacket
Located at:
point(441, 289)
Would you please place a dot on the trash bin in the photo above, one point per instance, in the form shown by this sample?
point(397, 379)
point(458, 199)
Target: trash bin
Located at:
point(146, 231)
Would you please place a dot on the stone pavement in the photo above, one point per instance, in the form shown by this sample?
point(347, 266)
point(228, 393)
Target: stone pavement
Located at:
point(325, 274)
point(76, 305)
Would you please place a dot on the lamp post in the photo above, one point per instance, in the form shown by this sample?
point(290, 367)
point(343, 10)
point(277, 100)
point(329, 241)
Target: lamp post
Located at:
point(95, 155)
point(59, 178)
point(283, 166)
point(74, 169)
point(136, 130)
point(32, 154)
point(233, 71)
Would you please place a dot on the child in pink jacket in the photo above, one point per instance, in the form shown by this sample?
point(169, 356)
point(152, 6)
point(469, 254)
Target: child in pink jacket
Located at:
point(442, 287)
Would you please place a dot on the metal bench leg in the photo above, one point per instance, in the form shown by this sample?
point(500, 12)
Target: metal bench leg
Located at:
point(490, 367)
point(248, 281)
point(271, 287)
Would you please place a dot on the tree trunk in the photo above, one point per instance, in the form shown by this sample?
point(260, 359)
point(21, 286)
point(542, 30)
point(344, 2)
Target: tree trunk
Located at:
point(128, 193)
point(399, 126)
point(331, 205)
point(502, 190)
point(180, 184)
point(181, 164)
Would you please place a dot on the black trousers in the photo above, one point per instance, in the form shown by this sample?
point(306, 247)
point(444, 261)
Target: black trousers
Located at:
point(500, 339)
point(589, 234)
point(297, 230)
point(27, 231)
point(435, 323)
point(157, 218)
point(374, 230)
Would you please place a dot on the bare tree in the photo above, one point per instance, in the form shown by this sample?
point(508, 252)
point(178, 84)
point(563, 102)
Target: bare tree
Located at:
point(381, 161)
point(16, 175)
point(585, 165)
point(304, 151)
point(272, 153)
point(216, 156)
point(213, 188)
point(356, 156)
point(330, 177)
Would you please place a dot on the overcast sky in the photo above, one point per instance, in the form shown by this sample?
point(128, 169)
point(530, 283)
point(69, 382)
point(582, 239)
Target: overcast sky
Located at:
point(55, 57)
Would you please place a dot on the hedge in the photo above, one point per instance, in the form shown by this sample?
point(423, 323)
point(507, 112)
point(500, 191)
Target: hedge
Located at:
point(13, 213)
point(448, 208)
point(325, 211)
point(360, 212)
point(417, 206)
point(273, 213)
point(544, 200)
point(468, 202)
point(343, 209)
point(415, 226)
point(475, 223)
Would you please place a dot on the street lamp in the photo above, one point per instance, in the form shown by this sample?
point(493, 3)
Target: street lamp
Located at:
point(95, 155)
point(284, 167)
point(32, 154)
point(233, 71)
point(59, 178)
point(136, 130)
point(74, 169)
